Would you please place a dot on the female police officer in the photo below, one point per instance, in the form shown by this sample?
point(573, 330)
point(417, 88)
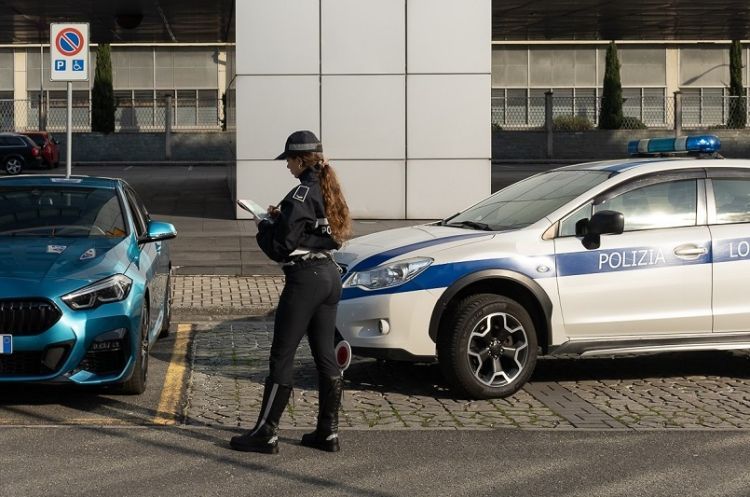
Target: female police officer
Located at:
point(312, 220)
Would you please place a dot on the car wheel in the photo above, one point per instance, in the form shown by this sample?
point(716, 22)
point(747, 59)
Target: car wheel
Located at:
point(489, 347)
point(168, 310)
point(13, 165)
point(137, 382)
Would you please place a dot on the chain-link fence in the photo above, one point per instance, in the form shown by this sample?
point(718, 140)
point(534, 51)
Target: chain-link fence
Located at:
point(582, 113)
point(144, 115)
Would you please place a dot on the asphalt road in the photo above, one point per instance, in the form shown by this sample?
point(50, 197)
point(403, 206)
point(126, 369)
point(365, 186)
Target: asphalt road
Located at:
point(196, 462)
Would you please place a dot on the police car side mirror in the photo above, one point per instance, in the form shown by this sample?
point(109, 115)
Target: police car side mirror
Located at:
point(601, 223)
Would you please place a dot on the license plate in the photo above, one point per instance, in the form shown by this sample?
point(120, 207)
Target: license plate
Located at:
point(6, 344)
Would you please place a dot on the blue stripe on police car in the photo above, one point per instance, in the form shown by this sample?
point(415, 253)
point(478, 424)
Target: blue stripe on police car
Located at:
point(377, 259)
point(625, 259)
point(735, 249)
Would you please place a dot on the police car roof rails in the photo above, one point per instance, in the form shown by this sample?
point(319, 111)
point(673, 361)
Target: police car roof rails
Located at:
point(700, 145)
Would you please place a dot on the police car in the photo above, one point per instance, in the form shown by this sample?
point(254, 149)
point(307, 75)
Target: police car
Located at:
point(645, 254)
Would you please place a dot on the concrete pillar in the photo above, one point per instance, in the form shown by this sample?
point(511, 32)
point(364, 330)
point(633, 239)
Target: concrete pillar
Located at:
point(222, 68)
point(20, 94)
point(673, 79)
point(397, 90)
point(548, 122)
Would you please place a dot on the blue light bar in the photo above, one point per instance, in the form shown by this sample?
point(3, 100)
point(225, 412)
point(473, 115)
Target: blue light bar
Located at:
point(705, 144)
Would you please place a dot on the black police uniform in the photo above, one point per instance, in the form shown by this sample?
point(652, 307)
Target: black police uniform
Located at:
point(300, 238)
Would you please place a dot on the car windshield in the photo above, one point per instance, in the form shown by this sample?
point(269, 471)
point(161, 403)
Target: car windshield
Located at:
point(526, 202)
point(60, 212)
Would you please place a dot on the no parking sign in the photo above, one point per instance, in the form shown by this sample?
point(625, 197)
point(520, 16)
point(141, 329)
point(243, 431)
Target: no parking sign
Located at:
point(69, 51)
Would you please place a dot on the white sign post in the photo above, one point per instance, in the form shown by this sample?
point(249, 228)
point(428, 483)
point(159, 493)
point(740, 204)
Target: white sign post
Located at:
point(69, 60)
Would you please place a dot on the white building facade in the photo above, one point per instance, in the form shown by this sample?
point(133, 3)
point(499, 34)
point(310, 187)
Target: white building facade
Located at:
point(399, 91)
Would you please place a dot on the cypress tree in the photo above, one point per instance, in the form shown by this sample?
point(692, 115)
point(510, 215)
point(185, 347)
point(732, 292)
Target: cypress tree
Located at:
point(102, 94)
point(737, 110)
point(610, 114)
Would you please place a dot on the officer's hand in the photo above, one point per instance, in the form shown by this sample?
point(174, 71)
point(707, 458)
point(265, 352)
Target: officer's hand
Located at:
point(273, 211)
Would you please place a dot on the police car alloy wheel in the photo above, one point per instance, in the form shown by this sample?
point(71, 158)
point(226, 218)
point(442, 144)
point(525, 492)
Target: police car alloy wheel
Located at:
point(489, 348)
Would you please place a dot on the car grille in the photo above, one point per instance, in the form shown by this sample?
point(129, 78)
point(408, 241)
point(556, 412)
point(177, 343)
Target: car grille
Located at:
point(34, 363)
point(27, 317)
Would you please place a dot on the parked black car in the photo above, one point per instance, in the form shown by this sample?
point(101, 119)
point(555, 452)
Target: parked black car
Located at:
point(17, 152)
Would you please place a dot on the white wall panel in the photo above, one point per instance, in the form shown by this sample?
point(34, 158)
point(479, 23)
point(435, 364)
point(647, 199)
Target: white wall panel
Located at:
point(439, 188)
point(270, 108)
point(362, 37)
point(373, 189)
point(278, 37)
point(448, 116)
point(265, 182)
point(449, 36)
point(363, 117)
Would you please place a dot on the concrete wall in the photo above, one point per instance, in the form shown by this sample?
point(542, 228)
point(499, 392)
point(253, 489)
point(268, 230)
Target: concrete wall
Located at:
point(139, 147)
point(589, 145)
point(397, 90)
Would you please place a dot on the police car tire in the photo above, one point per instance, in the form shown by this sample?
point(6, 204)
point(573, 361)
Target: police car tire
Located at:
point(452, 345)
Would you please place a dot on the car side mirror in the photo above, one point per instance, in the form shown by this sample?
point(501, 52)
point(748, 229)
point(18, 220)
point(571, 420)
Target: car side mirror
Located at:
point(601, 223)
point(158, 231)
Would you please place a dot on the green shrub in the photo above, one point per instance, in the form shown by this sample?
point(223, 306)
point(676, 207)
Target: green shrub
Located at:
point(630, 122)
point(610, 114)
point(102, 94)
point(571, 123)
point(496, 127)
point(737, 113)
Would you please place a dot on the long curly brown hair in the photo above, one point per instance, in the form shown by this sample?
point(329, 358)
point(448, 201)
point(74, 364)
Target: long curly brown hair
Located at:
point(337, 210)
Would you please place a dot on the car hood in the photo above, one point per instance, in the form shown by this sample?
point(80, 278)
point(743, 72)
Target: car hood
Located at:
point(66, 264)
point(372, 250)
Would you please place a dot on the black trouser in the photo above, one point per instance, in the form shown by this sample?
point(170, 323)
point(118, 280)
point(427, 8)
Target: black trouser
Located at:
point(307, 305)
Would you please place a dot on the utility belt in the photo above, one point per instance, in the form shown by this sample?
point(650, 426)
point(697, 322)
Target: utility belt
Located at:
point(306, 260)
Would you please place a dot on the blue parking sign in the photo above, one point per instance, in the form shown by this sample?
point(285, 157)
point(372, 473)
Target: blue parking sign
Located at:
point(77, 64)
point(7, 344)
point(59, 65)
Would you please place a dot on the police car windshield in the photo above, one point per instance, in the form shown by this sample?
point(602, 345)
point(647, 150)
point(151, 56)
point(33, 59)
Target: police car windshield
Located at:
point(526, 202)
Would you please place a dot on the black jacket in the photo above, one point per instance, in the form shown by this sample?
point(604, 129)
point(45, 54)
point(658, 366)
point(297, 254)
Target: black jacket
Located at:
point(301, 224)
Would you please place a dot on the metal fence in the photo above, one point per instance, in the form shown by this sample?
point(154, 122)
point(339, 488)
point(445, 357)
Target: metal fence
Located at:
point(130, 115)
point(581, 113)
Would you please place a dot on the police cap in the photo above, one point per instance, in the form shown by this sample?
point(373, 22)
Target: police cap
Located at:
point(301, 142)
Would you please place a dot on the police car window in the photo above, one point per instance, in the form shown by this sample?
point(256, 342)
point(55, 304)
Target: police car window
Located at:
point(527, 201)
point(663, 205)
point(568, 225)
point(732, 198)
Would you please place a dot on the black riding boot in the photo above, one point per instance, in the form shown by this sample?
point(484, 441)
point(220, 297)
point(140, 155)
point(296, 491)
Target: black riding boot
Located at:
point(263, 437)
point(326, 435)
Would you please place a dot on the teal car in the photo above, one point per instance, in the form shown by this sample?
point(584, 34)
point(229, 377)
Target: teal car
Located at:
point(84, 282)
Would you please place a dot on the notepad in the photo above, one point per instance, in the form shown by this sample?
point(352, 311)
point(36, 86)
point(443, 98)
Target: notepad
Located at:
point(253, 208)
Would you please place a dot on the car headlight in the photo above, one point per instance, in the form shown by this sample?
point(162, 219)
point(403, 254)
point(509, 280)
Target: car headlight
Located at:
point(112, 289)
point(388, 275)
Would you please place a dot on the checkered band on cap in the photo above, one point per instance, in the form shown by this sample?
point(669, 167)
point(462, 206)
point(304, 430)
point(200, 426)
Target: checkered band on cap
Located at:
point(304, 146)
point(301, 141)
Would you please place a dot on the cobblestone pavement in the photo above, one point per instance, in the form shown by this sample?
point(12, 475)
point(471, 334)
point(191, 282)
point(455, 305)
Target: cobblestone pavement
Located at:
point(229, 353)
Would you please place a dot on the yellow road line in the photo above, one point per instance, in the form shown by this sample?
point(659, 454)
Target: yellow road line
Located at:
point(166, 413)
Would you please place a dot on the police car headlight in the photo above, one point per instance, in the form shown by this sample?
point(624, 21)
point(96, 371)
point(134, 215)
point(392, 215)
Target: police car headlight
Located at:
point(388, 275)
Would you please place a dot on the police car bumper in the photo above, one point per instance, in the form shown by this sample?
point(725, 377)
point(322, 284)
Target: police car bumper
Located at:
point(390, 326)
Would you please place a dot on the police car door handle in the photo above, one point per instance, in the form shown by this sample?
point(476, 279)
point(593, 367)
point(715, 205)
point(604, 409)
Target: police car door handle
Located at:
point(690, 251)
